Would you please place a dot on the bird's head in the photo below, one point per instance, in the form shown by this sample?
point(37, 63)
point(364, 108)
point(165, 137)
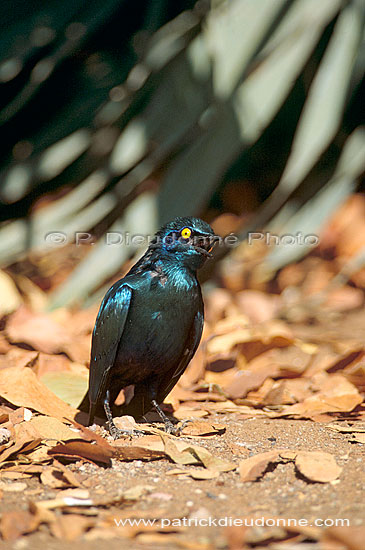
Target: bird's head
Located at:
point(186, 240)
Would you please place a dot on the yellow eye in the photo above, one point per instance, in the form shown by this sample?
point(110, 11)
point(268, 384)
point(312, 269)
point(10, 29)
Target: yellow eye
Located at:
point(185, 233)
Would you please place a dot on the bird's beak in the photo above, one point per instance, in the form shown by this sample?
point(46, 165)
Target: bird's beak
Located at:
point(207, 245)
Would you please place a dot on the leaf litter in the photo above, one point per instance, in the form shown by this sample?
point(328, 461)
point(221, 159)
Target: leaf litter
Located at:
point(268, 360)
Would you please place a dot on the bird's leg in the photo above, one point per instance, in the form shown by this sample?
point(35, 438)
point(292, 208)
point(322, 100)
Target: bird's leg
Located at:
point(169, 427)
point(114, 431)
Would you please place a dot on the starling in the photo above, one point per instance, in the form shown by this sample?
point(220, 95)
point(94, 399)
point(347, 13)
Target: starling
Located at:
point(149, 324)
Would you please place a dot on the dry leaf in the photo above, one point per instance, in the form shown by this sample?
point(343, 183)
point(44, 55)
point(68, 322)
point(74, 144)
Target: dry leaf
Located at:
point(358, 438)
point(255, 466)
point(317, 466)
point(336, 395)
point(352, 537)
point(58, 478)
point(196, 473)
point(135, 452)
point(21, 446)
point(359, 428)
point(79, 448)
point(16, 523)
point(201, 429)
point(51, 428)
point(37, 330)
point(184, 412)
point(20, 386)
point(71, 526)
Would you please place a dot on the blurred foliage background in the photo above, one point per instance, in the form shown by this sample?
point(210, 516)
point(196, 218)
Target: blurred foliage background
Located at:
point(118, 116)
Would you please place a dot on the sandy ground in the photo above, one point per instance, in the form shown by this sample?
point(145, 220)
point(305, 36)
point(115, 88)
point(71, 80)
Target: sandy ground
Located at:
point(280, 492)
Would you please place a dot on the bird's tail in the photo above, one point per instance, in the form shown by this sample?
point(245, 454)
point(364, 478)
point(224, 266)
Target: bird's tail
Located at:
point(93, 409)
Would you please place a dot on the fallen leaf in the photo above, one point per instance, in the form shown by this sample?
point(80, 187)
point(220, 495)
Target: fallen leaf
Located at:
point(359, 428)
point(336, 395)
point(19, 415)
point(20, 446)
point(71, 526)
point(352, 537)
point(57, 479)
point(68, 386)
point(358, 438)
point(201, 429)
point(20, 386)
point(317, 466)
point(16, 523)
point(212, 462)
point(18, 357)
point(135, 452)
point(254, 467)
point(38, 330)
point(184, 412)
point(196, 473)
point(51, 428)
point(78, 448)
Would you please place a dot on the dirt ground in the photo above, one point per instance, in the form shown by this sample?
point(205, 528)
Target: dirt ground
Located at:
point(281, 492)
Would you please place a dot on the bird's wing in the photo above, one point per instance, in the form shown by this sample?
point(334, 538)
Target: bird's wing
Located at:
point(107, 333)
point(171, 377)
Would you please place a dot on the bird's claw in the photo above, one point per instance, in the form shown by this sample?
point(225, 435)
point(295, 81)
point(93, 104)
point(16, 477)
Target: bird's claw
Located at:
point(185, 423)
point(117, 433)
point(172, 429)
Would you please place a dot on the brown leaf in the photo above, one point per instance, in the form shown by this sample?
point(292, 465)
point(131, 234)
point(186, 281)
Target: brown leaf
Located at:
point(71, 526)
point(184, 412)
point(19, 415)
point(286, 392)
point(258, 306)
point(317, 466)
point(51, 428)
point(21, 446)
point(17, 357)
point(16, 523)
point(358, 438)
point(38, 330)
point(20, 386)
point(58, 478)
point(352, 537)
point(196, 473)
point(210, 461)
point(201, 429)
point(79, 448)
point(336, 395)
point(135, 452)
point(254, 467)
point(249, 379)
point(359, 428)
point(89, 435)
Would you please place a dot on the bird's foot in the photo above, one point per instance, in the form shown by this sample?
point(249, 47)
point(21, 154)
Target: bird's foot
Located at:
point(117, 433)
point(170, 428)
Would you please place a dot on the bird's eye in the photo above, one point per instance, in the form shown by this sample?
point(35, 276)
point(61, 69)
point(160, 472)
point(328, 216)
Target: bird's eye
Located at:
point(185, 233)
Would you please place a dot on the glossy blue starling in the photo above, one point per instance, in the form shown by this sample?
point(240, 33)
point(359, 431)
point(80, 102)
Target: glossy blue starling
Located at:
point(149, 324)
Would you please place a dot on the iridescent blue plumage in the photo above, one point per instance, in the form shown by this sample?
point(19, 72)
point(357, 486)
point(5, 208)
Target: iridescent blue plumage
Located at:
point(150, 323)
